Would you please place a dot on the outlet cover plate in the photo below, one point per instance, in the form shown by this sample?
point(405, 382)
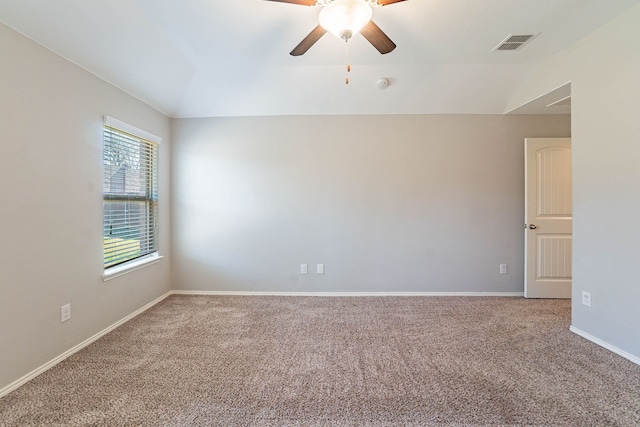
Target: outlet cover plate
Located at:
point(65, 312)
point(586, 298)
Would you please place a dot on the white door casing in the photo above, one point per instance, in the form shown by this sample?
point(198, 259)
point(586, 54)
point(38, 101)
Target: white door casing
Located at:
point(548, 218)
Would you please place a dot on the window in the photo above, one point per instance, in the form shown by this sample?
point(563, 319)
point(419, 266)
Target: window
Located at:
point(130, 193)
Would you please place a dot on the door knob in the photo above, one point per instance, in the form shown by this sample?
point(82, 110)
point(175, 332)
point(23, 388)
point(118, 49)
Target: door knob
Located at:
point(532, 226)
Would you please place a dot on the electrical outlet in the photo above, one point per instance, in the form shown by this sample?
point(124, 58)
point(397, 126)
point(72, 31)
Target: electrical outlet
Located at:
point(65, 312)
point(586, 298)
point(304, 269)
point(503, 268)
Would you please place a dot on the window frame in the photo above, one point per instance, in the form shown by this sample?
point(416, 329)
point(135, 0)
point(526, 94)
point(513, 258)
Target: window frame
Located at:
point(150, 184)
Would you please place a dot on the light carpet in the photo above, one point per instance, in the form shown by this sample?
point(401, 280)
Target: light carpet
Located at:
point(336, 361)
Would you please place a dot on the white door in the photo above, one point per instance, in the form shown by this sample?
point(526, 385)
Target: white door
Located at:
point(548, 218)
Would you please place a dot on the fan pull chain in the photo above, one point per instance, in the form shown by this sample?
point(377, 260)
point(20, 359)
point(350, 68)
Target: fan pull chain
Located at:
point(346, 79)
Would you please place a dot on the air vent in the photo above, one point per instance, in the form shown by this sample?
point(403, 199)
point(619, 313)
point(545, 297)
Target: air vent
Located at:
point(514, 42)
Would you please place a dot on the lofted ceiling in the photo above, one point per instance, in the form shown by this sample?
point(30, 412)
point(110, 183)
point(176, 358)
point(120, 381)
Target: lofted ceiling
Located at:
point(202, 58)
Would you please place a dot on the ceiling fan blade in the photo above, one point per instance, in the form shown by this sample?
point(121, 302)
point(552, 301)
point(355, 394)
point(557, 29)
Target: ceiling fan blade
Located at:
point(308, 41)
point(377, 38)
point(388, 2)
point(301, 2)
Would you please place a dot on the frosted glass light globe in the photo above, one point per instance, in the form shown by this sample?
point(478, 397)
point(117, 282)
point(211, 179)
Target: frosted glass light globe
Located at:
point(345, 18)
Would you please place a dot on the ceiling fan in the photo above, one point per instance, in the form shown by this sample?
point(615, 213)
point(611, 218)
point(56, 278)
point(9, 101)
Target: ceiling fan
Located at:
point(345, 18)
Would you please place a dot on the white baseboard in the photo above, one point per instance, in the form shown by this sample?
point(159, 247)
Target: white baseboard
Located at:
point(31, 375)
point(353, 294)
point(606, 345)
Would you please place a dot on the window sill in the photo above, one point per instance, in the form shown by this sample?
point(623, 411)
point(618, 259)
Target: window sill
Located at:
point(128, 267)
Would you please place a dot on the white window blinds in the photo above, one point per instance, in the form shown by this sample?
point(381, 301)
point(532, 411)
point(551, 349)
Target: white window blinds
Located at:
point(130, 194)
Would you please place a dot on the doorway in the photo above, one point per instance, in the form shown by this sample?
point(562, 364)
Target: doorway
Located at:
point(548, 218)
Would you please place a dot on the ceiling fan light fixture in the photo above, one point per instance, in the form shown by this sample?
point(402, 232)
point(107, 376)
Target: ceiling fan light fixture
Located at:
point(345, 18)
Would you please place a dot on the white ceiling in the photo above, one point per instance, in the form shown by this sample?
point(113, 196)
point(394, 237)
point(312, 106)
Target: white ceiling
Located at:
point(197, 58)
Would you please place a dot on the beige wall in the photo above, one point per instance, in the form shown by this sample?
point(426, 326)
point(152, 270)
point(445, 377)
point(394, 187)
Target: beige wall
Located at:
point(387, 203)
point(603, 69)
point(51, 116)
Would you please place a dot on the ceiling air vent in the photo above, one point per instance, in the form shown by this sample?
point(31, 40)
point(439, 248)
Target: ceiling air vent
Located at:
point(514, 42)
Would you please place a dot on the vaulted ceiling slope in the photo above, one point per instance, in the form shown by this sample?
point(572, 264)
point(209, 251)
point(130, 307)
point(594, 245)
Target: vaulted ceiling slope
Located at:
point(197, 58)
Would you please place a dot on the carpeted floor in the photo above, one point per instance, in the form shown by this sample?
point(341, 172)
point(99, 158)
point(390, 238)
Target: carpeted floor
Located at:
point(337, 361)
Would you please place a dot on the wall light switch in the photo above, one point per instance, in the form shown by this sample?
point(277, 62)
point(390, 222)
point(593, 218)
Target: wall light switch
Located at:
point(320, 269)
